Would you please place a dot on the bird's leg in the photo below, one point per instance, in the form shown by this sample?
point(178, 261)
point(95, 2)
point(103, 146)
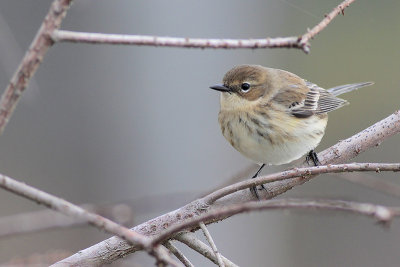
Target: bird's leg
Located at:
point(253, 189)
point(314, 157)
point(258, 172)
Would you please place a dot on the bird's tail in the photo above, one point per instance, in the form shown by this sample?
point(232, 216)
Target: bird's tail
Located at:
point(341, 89)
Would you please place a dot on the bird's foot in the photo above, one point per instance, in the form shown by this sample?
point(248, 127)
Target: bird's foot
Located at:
point(254, 189)
point(314, 157)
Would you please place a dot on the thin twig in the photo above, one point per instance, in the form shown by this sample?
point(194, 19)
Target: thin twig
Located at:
point(305, 39)
point(212, 244)
point(382, 213)
point(301, 172)
point(178, 254)
point(194, 243)
point(339, 153)
point(32, 59)
point(72, 210)
point(301, 42)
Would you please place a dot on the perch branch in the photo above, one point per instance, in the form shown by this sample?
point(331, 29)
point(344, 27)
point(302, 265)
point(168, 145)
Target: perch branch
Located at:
point(302, 173)
point(343, 151)
point(301, 42)
point(382, 213)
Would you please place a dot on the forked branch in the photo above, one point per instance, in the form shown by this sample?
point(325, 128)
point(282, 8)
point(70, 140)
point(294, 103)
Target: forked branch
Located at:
point(300, 42)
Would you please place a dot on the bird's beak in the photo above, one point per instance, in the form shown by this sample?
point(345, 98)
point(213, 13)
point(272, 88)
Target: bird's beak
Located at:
point(220, 88)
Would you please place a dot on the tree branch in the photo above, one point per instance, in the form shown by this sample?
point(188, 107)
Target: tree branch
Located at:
point(178, 254)
point(305, 39)
point(190, 240)
point(343, 151)
point(301, 42)
point(32, 59)
point(382, 213)
point(302, 173)
point(212, 244)
point(98, 221)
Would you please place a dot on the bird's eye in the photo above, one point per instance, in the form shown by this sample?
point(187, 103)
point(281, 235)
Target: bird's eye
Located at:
point(245, 87)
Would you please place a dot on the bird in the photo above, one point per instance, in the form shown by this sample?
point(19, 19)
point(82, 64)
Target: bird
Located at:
point(273, 116)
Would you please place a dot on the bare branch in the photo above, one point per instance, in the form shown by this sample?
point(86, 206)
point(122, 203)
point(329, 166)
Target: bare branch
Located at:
point(301, 42)
point(178, 254)
point(212, 244)
point(146, 40)
point(343, 151)
point(32, 59)
point(72, 210)
point(381, 213)
point(194, 243)
point(303, 173)
point(304, 41)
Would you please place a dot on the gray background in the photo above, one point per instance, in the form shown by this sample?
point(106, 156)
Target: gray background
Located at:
point(104, 124)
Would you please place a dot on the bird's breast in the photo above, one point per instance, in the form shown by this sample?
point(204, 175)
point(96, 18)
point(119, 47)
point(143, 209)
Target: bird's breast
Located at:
point(271, 137)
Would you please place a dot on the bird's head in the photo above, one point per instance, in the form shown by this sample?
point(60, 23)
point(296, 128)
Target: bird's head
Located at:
point(244, 86)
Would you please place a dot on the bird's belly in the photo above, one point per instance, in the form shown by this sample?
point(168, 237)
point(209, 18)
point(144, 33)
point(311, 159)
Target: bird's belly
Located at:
point(262, 151)
point(274, 143)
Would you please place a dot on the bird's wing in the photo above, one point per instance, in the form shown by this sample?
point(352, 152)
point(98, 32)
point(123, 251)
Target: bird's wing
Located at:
point(317, 101)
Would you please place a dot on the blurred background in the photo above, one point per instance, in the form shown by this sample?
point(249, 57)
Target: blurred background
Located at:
point(138, 125)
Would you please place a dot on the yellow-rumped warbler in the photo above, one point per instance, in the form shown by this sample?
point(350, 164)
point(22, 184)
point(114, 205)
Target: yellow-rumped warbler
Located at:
point(273, 116)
